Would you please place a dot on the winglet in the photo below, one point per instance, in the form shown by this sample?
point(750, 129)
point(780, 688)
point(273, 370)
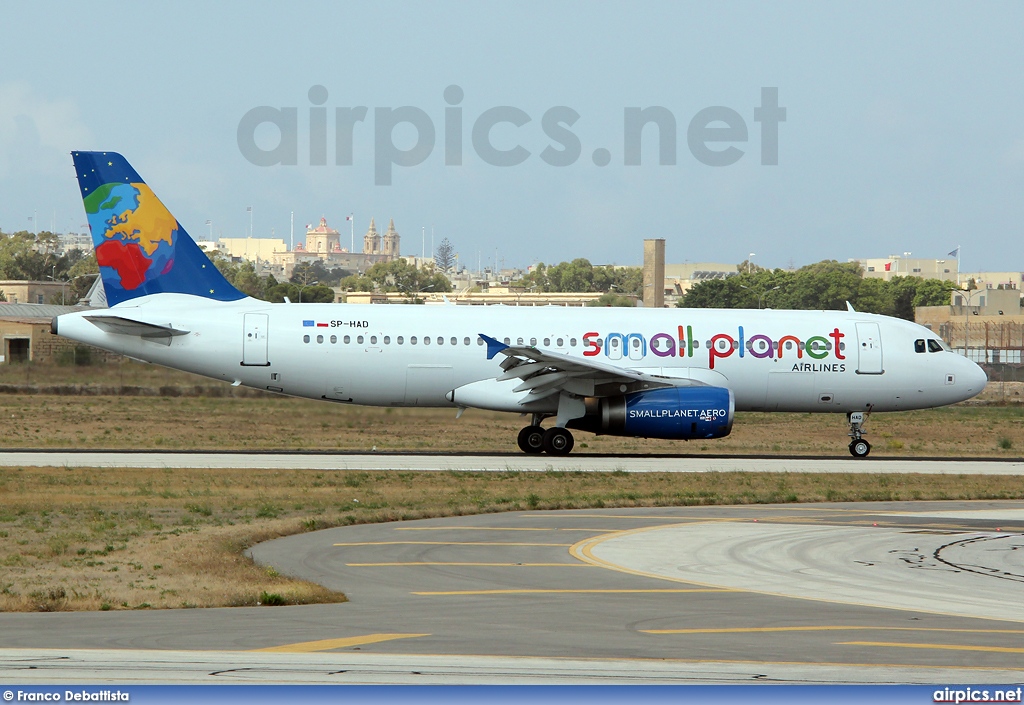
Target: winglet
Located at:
point(493, 346)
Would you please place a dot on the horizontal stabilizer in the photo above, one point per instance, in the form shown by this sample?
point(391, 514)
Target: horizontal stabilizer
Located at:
point(126, 326)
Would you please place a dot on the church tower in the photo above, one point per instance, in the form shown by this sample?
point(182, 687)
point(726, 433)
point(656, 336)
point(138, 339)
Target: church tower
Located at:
point(371, 240)
point(322, 239)
point(390, 245)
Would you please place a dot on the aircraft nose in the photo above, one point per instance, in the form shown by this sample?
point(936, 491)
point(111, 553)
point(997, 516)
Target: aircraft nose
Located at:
point(973, 378)
point(978, 378)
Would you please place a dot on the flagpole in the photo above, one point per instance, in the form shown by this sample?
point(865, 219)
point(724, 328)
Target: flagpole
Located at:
point(352, 224)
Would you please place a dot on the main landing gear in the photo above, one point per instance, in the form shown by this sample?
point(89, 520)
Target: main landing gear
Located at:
point(859, 448)
point(536, 439)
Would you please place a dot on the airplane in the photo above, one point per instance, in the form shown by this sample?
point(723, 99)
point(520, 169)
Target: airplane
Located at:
point(649, 373)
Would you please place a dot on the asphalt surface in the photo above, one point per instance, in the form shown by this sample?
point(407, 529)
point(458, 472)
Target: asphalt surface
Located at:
point(878, 593)
point(505, 463)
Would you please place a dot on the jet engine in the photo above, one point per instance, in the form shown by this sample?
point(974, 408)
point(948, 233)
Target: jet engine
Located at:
point(671, 412)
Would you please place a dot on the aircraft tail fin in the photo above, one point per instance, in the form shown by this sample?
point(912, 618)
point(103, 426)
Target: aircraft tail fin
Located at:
point(140, 247)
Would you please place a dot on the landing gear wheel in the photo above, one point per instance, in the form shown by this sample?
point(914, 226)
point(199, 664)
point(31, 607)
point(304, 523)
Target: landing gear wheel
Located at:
point(531, 439)
point(860, 448)
point(558, 441)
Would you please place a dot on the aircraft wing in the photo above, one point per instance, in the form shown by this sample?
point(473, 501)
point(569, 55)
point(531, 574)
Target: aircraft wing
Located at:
point(545, 373)
point(126, 326)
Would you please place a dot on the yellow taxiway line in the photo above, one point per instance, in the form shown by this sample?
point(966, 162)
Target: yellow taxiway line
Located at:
point(495, 528)
point(447, 543)
point(944, 647)
point(306, 647)
point(582, 591)
point(827, 628)
point(494, 565)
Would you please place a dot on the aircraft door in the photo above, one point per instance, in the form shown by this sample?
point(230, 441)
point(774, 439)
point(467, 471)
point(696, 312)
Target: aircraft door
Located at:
point(869, 349)
point(254, 339)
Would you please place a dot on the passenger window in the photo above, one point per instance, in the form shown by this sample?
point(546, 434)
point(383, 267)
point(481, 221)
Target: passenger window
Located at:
point(347, 339)
point(305, 339)
point(507, 341)
point(533, 342)
point(387, 340)
point(400, 340)
point(934, 345)
point(547, 342)
point(572, 343)
point(359, 340)
point(373, 340)
point(319, 339)
point(412, 340)
point(465, 341)
point(560, 343)
point(334, 339)
point(519, 341)
point(426, 340)
point(440, 340)
point(455, 341)
point(919, 345)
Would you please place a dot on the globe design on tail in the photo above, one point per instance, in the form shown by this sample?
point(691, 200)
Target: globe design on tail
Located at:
point(135, 234)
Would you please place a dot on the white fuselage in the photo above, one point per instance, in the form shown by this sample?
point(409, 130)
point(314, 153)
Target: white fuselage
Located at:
point(812, 361)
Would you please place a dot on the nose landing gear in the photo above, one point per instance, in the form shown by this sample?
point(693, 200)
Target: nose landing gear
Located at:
point(859, 448)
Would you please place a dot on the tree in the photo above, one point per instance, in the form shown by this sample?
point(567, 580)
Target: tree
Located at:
point(317, 293)
point(612, 299)
point(823, 285)
point(444, 256)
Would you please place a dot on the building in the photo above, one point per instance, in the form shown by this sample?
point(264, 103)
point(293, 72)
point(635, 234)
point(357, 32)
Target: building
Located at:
point(987, 325)
point(994, 280)
point(33, 292)
point(323, 244)
point(495, 295)
point(904, 266)
point(25, 335)
point(654, 273)
point(253, 249)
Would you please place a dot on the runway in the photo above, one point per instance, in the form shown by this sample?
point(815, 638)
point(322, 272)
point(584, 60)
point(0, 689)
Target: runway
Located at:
point(505, 463)
point(894, 592)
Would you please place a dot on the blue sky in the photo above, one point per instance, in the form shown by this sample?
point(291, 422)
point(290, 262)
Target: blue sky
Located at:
point(903, 133)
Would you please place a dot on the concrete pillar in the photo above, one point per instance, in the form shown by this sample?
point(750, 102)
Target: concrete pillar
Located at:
point(654, 273)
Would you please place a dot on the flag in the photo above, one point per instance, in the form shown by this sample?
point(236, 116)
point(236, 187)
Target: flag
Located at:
point(888, 266)
point(956, 252)
point(348, 217)
point(248, 209)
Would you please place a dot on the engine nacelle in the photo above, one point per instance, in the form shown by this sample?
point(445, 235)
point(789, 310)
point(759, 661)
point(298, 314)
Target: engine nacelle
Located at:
point(671, 412)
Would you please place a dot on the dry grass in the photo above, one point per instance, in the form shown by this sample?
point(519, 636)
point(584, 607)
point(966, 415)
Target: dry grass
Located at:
point(279, 423)
point(179, 419)
point(87, 539)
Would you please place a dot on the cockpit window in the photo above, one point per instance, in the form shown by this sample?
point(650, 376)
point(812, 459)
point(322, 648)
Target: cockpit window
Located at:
point(919, 345)
point(935, 345)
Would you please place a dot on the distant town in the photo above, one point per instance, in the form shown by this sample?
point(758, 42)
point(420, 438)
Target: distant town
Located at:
point(977, 313)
